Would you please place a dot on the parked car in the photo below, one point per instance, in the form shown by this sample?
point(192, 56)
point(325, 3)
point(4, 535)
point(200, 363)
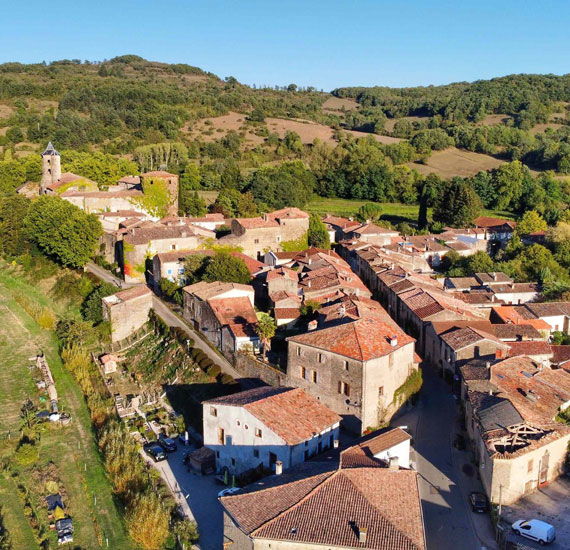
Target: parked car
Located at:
point(155, 451)
point(534, 529)
point(167, 444)
point(227, 492)
point(479, 502)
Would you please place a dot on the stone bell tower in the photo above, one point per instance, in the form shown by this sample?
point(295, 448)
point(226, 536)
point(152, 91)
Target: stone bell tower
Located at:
point(51, 167)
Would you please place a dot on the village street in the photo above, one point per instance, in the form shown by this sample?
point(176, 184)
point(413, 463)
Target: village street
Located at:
point(173, 320)
point(444, 488)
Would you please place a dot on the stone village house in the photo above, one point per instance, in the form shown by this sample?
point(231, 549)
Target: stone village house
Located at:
point(354, 368)
point(224, 313)
point(266, 425)
point(510, 412)
point(354, 498)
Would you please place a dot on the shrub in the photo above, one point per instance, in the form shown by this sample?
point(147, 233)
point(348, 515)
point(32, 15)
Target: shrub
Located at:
point(214, 371)
point(205, 363)
point(227, 379)
point(46, 319)
point(26, 454)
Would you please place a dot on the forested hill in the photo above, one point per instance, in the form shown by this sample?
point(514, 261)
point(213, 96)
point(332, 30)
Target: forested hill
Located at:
point(128, 100)
point(529, 99)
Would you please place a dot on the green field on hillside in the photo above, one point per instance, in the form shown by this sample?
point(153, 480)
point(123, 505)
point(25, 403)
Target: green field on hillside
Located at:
point(67, 454)
point(392, 211)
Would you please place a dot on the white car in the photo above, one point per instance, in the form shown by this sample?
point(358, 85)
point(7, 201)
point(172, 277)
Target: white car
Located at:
point(228, 491)
point(534, 529)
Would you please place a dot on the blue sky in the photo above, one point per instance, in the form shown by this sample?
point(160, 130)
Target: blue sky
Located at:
point(325, 44)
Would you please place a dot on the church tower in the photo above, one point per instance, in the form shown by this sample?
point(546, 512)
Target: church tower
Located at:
point(51, 167)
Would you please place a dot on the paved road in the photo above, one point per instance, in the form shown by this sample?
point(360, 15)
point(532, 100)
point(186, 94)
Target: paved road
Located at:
point(173, 320)
point(106, 276)
point(447, 517)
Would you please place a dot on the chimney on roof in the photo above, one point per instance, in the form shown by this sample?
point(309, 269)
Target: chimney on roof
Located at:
point(393, 341)
point(362, 532)
point(278, 468)
point(312, 325)
point(494, 275)
point(491, 392)
point(488, 365)
point(394, 463)
point(335, 443)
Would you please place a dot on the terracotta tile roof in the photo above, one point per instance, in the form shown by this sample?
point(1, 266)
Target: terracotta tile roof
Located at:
point(68, 177)
point(282, 272)
point(495, 277)
point(515, 288)
point(381, 442)
point(509, 331)
point(475, 369)
point(256, 223)
point(158, 231)
point(536, 392)
point(530, 347)
point(488, 222)
point(549, 309)
point(421, 303)
point(560, 354)
point(484, 298)
point(402, 286)
point(292, 414)
point(363, 339)
point(513, 314)
point(343, 223)
point(132, 180)
point(233, 311)
point(158, 174)
point(327, 509)
point(372, 229)
point(463, 337)
point(281, 313)
point(444, 326)
point(288, 213)
point(205, 291)
point(132, 293)
point(458, 246)
point(253, 266)
point(181, 255)
point(462, 282)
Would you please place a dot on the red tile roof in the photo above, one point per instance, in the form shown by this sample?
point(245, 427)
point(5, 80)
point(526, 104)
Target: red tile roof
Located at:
point(363, 339)
point(292, 414)
point(233, 311)
point(529, 347)
point(253, 266)
point(132, 293)
point(319, 504)
point(158, 174)
point(282, 272)
point(281, 313)
point(491, 223)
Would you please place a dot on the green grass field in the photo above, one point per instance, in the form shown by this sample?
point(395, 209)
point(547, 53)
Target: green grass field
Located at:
point(71, 449)
point(392, 211)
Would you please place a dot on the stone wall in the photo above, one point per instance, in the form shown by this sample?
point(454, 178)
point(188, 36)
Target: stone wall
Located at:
point(234, 535)
point(252, 368)
point(129, 315)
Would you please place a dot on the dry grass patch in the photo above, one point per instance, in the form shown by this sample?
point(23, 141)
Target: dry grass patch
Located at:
point(207, 129)
point(335, 104)
point(456, 162)
point(493, 120)
point(540, 128)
